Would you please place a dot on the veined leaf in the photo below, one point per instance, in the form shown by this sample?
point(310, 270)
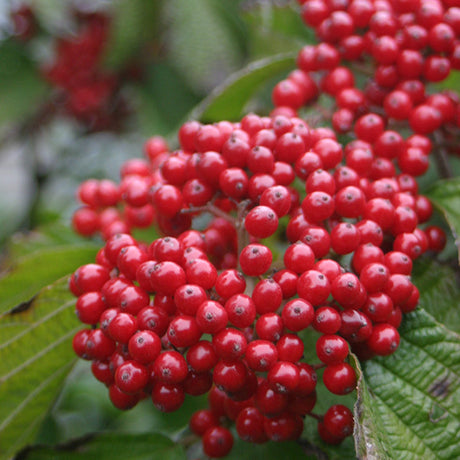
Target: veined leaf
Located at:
point(110, 446)
point(409, 402)
point(445, 195)
point(34, 271)
point(228, 100)
point(439, 291)
point(35, 357)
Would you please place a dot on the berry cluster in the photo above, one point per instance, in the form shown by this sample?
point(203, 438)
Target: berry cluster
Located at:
point(273, 230)
point(85, 91)
point(399, 46)
point(206, 308)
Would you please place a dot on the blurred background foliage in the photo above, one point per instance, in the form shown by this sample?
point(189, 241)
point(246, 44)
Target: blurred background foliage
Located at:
point(171, 56)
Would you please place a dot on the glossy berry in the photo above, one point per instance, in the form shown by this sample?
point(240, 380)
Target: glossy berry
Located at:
point(338, 420)
point(217, 442)
point(340, 378)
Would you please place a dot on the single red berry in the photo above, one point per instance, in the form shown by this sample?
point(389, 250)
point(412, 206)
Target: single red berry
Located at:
point(339, 379)
point(170, 367)
point(121, 400)
point(314, 287)
point(355, 326)
point(131, 377)
point(144, 346)
point(89, 307)
point(217, 442)
point(167, 397)
point(283, 376)
point(250, 425)
point(297, 314)
point(201, 272)
point(327, 320)
point(331, 349)
point(230, 376)
point(261, 355)
point(290, 348)
point(261, 222)
point(255, 259)
point(230, 344)
point(184, 331)
point(384, 339)
point(338, 420)
point(211, 317)
point(269, 327)
point(241, 310)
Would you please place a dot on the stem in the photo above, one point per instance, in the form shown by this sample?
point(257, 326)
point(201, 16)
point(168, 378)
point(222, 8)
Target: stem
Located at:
point(318, 366)
point(316, 416)
point(442, 157)
point(211, 209)
point(363, 69)
point(242, 234)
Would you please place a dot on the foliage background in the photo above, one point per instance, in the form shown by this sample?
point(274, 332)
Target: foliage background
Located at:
point(409, 404)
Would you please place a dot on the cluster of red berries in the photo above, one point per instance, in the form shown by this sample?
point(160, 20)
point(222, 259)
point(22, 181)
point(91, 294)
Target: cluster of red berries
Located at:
point(400, 46)
point(85, 90)
point(211, 307)
point(207, 309)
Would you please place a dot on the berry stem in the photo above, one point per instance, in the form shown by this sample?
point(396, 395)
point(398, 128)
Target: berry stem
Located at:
point(211, 208)
point(316, 416)
point(242, 234)
point(441, 157)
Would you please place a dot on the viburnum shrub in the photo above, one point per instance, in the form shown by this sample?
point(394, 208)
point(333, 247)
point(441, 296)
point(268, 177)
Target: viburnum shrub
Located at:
point(275, 228)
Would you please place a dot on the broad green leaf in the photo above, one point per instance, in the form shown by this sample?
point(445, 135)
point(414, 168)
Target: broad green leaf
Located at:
point(34, 271)
point(22, 88)
point(439, 291)
point(410, 402)
point(371, 441)
point(35, 357)
point(45, 237)
point(227, 101)
point(445, 195)
point(110, 446)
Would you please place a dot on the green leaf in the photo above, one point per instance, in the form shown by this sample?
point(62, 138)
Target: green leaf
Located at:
point(34, 271)
point(439, 291)
point(409, 404)
point(22, 87)
point(110, 446)
point(35, 357)
point(445, 195)
point(370, 440)
point(227, 101)
point(44, 237)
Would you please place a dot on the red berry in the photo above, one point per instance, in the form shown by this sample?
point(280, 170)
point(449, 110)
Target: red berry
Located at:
point(340, 378)
point(217, 442)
